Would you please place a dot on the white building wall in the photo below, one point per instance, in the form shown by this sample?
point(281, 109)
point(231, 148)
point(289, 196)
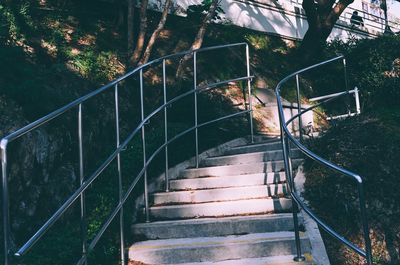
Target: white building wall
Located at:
point(287, 18)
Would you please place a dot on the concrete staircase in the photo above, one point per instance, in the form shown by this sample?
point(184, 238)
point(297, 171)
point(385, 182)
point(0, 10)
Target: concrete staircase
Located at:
point(232, 210)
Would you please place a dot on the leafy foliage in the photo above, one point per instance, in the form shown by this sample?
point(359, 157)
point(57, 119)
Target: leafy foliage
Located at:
point(368, 145)
point(197, 12)
point(372, 65)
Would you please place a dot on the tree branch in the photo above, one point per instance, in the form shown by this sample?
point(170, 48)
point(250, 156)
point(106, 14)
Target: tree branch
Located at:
point(311, 11)
point(156, 33)
point(337, 10)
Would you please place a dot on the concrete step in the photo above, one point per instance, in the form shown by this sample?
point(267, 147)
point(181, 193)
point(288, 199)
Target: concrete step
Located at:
point(270, 166)
point(219, 194)
point(220, 209)
point(212, 227)
point(228, 181)
point(248, 158)
point(275, 260)
point(256, 147)
point(212, 249)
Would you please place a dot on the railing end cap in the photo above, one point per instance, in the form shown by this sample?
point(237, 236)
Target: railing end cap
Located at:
point(3, 147)
point(3, 143)
point(358, 179)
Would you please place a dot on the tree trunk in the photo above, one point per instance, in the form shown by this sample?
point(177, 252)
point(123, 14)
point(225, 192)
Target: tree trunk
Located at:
point(156, 33)
point(198, 41)
point(142, 33)
point(313, 43)
point(321, 17)
point(120, 13)
point(130, 25)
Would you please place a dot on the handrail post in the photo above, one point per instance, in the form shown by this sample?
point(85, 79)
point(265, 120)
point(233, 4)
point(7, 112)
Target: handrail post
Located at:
point(298, 257)
point(346, 82)
point(6, 213)
point(367, 240)
point(121, 212)
point(290, 186)
point(281, 121)
point(299, 108)
point(195, 107)
point(146, 195)
point(249, 91)
point(165, 127)
point(81, 180)
point(357, 99)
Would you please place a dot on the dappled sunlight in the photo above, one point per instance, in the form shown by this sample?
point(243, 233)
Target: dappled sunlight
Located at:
point(50, 48)
point(87, 40)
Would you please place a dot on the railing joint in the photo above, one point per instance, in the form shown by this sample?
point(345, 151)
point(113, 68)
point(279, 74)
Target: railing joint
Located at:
point(3, 147)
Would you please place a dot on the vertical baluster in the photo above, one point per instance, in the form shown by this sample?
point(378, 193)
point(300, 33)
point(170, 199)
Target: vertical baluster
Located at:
point(346, 83)
point(295, 209)
point(6, 214)
point(81, 180)
point(290, 185)
point(367, 240)
point(165, 127)
point(195, 106)
point(299, 107)
point(146, 195)
point(357, 99)
point(288, 188)
point(249, 91)
point(120, 191)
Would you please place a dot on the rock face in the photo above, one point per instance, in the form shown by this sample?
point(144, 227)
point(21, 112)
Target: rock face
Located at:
point(37, 171)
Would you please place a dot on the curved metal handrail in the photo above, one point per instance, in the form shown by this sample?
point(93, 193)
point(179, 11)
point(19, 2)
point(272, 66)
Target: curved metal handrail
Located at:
point(86, 182)
point(75, 103)
point(287, 139)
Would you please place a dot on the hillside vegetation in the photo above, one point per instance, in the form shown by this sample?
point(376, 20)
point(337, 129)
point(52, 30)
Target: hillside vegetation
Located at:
point(54, 53)
point(368, 145)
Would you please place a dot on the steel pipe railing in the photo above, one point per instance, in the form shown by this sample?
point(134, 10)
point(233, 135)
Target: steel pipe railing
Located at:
point(87, 180)
point(288, 139)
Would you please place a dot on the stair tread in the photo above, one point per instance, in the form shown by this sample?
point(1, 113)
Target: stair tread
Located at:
point(167, 223)
point(237, 165)
point(245, 154)
point(274, 260)
point(173, 243)
point(191, 205)
point(255, 147)
point(225, 208)
point(219, 194)
point(216, 226)
point(247, 158)
point(268, 142)
point(215, 249)
point(263, 174)
point(220, 188)
point(237, 169)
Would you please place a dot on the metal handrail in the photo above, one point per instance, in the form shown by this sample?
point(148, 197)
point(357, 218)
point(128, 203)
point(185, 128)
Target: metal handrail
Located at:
point(287, 139)
point(86, 182)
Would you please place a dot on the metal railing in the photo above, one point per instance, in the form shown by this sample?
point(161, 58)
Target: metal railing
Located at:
point(288, 140)
point(87, 180)
point(372, 22)
point(355, 91)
